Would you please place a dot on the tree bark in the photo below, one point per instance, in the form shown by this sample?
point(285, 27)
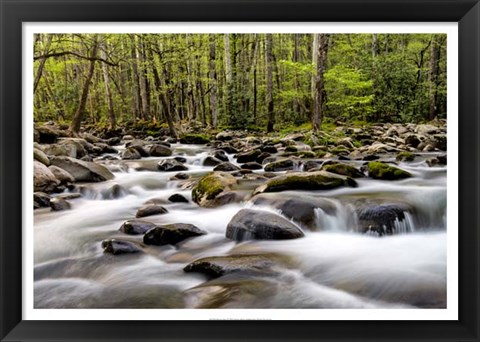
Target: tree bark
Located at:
point(106, 78)
point(78, 116)
point(269, 56)
point(433, 77)
point(143, 79)
point(213, 82)
point(320, 45)
point(136, 79)
point(38, 76)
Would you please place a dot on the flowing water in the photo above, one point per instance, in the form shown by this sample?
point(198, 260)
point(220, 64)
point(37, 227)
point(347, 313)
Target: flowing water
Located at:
point(335, 266)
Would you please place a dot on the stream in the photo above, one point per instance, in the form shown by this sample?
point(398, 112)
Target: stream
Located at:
point(332, 266)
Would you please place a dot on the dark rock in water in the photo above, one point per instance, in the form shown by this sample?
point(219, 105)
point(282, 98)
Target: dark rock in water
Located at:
point(169, 165)
point(224, 136)
point(437, 161)
point(252, 166)
point(253, 264)
point(115, 247)
point(136, 227)
point(131, 153)
point(59, 204)
point(226, 166)
point(43, 179)
point(249, 156)
point(343, 169)
point(317, 180)
point(371, 157)
point(181, 176)
point(63, 176)
point(159, 150)
point(114, 192)
point(261, 158)
point(180, 159)
point(41, 200)
point(440, 141)
point(228, 149)
point(250, 224)
point(269, 149)
point(151, 209)
point(194, 139)
point(280, 165)
point(211, 161)
point(178, 198)
point(82, 171)
point(209, 190)
point(220, 155)
point(114, 141)
point(171, 234)
point(412, 140)
point(378, 170)
point(311, 165)
point(380, 219)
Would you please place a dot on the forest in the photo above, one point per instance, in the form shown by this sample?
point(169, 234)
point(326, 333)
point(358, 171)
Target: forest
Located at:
point(258, 82)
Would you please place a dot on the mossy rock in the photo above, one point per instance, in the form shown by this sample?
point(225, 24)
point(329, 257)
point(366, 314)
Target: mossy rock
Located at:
point(340, 149)
point(344, 170)
point(405, 156)
point(318, 180)
point(378, 170)
point(195, 139)
point(210, 187)
point(280, 165)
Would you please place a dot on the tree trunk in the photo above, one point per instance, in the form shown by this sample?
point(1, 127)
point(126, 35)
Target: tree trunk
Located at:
point(269, 56)
point(433, 77)
point(41, 65)
point(143, 79)
point(136, 79)
point(213, 82)
point(106, 78)
point(78, 116)
point(320, 45)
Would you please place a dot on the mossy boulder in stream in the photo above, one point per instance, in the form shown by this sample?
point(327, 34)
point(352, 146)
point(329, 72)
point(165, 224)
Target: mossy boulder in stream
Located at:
point(280, 165)
point(212, 189)
point(405, 156)
point(194, 139)
point(250, 224)
point(343, 169)
point(378, 170)
point(171, 234)
point(318, 180)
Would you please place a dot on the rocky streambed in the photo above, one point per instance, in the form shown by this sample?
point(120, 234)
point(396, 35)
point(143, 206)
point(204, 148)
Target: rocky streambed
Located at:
point(236, 221)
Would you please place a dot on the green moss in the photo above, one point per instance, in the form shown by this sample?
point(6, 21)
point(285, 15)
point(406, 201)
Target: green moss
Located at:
point(378, 170)
point(357, 143)
point(320, 154)
point(340, 149)
point(195, 139)
point(344, 170)
point(405, 156)
point(209, 185)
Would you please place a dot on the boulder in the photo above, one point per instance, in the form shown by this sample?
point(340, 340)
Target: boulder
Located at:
point(194, 139)
point(317, 180)
point(63, 176)
point(40, 156)
point(114, 192)
point(115, 247)
point(178, 198)
point(47, 135)
point(249, 156)
point(150, 209)
point(131, 153)
point(224, 136)
point(169, 165)
point(413, 140)
point(211, 161)
point(41, 200)
point(437, 161)
point(281, 165)
point(252, 166)
point(136, 227)
point(378, 170)
point(220, 155)
point(80, 146)
point(228, 149)
point(405, 157)
point(212, 189)
point(159, 150)
point(426, 129)
point(59, 204)
point(83, 171)
point(226, 166)
point(43, 179)
point(343, 169)
point(171, 234)
point(250, 224)
point(380, 219)
point(60, 150)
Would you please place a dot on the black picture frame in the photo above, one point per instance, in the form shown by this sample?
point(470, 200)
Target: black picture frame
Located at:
point(14, 12)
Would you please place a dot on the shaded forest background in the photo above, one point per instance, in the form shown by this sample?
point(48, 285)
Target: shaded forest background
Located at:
point(240, 81)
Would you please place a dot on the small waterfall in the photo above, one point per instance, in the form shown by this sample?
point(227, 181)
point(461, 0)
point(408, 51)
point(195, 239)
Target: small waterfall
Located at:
point(341, 220)
point(406, 225)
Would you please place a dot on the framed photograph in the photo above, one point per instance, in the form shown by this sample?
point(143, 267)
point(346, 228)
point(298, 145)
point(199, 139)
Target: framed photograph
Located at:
point(239, 171)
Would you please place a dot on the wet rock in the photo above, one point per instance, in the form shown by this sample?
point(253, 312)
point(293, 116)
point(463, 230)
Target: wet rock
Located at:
point(115, 247)
point(194, 139)
point(114, 192)
point(226, 166)
point(261, 158)
point(211, 161)
point(131, 153)
point(437, 161)
point(43, 179)
point(171, 234)
point(250, 224)
point(114, 141)
point(82, 171)
point(249, 156)
point(311, 165)
point(370, 157)
point(378, 170)
point(252, 264)
point(47, 135)
point(317, 180)
point(269, 149)
point(60, 150)
point(412, 140)
point(210, 188)
point(252, 166)
point(426, 129)
point(381, 148)
point(440, 141)
point(38, 155)
point(180, 159)
point(281, 165)
point(159, 150)
point(181, 176)
point(178, 198)
point(59, 204)
point(78, 145)
point(136, 227)
point(220, 155)
point(169, 165)
point(380, 219)
point(63, 176)
point(128, 137)
point(41, 200)
point(405, 156)
point(343, 169)
point(150, 209)
point(225, 136)
point(228, 149)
